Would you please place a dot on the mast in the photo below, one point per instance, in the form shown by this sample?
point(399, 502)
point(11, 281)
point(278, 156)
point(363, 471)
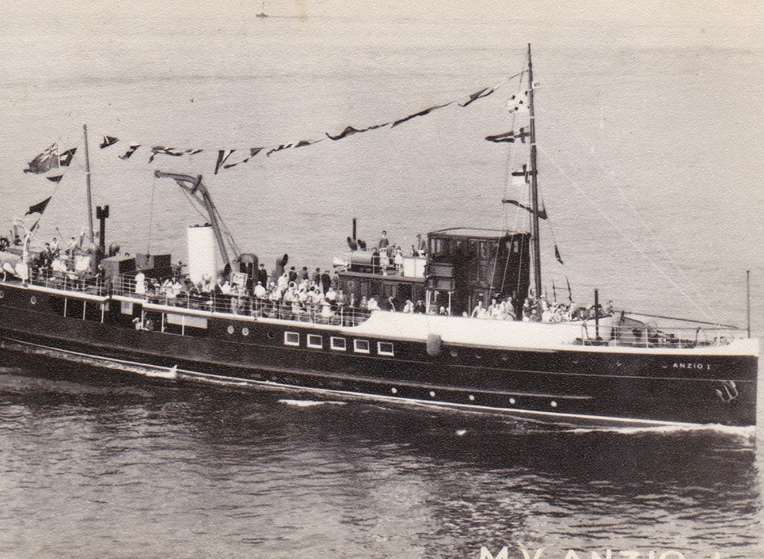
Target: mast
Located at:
point(91, 237)
point(535, 229)
point(748, 301)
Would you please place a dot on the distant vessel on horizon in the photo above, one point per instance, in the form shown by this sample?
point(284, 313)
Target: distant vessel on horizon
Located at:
point(262, 11)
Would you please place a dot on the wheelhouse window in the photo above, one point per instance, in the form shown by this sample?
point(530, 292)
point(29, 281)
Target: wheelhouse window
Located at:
point(361, 346)
point(291, 338)
point(315, 341)
point(339, 344)
point(385, 348)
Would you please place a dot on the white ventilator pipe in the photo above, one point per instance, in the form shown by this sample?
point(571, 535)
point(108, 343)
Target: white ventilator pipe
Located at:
point(202, 262)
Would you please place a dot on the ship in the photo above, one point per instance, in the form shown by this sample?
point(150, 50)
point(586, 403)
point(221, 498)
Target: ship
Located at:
point(107, 311)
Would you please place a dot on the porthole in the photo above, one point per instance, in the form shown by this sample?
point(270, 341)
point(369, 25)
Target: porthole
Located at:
point(454, 353)
point(472, 398)
point(394, 390)
point(553, 404)
point(478, 356)
point(270, 335)
point(512, 401)
point(504, 358)
point(245, 331)
point(230, 329)
point(2, 293)
point(33, 300)
point(432, 394)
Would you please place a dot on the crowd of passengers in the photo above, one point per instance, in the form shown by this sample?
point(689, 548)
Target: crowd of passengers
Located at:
point(293, 294)
point(289, 294)
point(538, 310)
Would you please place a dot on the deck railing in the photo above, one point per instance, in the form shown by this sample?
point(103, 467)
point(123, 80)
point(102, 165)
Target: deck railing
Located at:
point(241, 304)
point(237, 303)
point(659, 336)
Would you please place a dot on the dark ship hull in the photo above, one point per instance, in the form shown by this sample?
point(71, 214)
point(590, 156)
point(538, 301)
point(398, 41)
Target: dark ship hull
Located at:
point(383, 358)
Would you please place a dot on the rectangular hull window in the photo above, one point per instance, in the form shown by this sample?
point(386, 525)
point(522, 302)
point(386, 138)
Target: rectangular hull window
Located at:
point(315, 341)
point(291, 338)
point(339, 344)
point(385, 348)
point(361, 346)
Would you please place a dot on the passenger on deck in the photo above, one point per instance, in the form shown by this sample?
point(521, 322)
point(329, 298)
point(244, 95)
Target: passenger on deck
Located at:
point(226, 288)
point(419, 307)
point(494, 310)
point(331, 295)
point(217, 290)
point(262, 275)
point(383, 242)
point(260, 291)
point(442, 311)
point(408, 306)
point(421, 245)
point(398, 259)
point(372, 304)
point(384, 261)
point(326, 281)
point(140, 283)
point(547, 315)
point(479, 311)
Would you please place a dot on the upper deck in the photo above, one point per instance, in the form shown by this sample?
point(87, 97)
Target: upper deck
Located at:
point(582, 334)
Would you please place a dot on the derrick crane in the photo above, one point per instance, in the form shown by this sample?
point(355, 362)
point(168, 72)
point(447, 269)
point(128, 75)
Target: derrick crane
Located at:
point(196, 189)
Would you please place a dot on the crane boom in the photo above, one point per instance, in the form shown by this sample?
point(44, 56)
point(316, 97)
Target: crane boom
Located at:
point(197, 189)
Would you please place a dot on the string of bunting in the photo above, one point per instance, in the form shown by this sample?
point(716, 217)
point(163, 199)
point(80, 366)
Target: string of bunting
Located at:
point(52, 162)
point(228, 158)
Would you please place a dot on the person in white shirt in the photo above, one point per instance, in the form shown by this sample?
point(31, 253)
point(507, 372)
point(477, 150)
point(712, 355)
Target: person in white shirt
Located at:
point(140, 283)
point(260, 291)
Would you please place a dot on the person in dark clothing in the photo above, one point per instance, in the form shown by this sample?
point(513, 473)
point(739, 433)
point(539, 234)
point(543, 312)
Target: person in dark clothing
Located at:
point(262, 275)
point(326, 281)
point(317, 276)
point(419, 307)
point(292, 275)
point(304, 274)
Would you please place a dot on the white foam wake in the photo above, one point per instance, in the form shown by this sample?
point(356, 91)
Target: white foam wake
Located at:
point(744, 432)
point(310, 403)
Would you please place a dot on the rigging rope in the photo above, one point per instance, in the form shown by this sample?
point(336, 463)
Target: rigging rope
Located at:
point(656, 240)
point(625, 237)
